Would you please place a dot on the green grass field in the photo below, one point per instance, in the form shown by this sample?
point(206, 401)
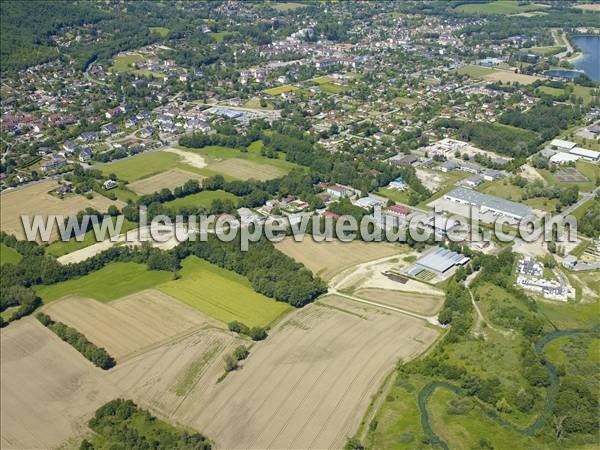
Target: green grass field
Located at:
point(219, 36)
point(161, 31)
point(222, 294)
point(551, 91)
point(204, 198)
point(60, 248)
point(287, 6)
point(217, 152)
point(143, 166)
point(113, 281)
point(326, 84)
point(397, 196)
point(545, 51)
point(278, 90)
point(505, 189)
point(123, 63)
point(475, 71)
point(9, 255)
point(499, 7)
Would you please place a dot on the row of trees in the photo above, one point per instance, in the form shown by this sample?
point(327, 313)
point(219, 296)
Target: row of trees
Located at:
point(97, 355)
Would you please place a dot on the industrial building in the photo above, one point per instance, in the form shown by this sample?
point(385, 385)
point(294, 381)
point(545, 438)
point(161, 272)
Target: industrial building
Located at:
point(438, 261)
point(489, 203)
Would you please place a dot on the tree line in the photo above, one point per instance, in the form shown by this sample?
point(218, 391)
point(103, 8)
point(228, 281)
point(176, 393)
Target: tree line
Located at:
point(97, 355)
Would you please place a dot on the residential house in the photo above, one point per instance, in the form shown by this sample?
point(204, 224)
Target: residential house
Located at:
point(338, 191)
point(85, 154)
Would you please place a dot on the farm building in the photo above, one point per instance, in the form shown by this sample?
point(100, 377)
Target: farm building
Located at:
point(439, 261)
point(489, 203)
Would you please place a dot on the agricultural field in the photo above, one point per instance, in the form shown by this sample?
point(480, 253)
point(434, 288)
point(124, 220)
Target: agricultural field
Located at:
point(222, 294)
point(308, 384)
point(163, 377)
point(326, 259)
point(278, 90)
point(500, 7)
point(204, 199)
point(130, 324)
point(589, 7)
point(419, 303)
point(9, 255)
point(36, 200)
point(113, 281)
point(169, 179)
point(50, 389)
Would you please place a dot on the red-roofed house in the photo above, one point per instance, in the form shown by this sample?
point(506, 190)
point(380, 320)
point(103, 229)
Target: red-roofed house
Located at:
point(398, 210)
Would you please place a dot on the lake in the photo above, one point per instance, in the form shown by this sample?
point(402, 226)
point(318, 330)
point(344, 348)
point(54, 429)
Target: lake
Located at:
point(590, 61)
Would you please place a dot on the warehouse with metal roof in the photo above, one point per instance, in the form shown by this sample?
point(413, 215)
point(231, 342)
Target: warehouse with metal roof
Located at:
point(439, 261)
point(489, 203)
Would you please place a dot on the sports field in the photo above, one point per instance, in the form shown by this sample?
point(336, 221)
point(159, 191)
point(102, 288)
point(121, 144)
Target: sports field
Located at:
point(222, 294)
point(35, 200)
point(113, 281)
point(9, 255)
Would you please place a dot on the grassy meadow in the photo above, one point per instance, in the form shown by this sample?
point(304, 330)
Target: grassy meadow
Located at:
point(9, 255)
point(222, 294)
point(113, 281)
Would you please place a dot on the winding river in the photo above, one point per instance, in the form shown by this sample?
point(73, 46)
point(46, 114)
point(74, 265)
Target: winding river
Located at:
point(428, 390)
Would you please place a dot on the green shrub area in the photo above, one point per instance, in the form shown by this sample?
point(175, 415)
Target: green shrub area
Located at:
point(97, 355)
point(496, 137)
point(121, 424)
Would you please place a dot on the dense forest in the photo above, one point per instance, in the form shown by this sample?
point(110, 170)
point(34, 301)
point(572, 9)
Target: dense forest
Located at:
point(544, 118)
point(121, 424)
